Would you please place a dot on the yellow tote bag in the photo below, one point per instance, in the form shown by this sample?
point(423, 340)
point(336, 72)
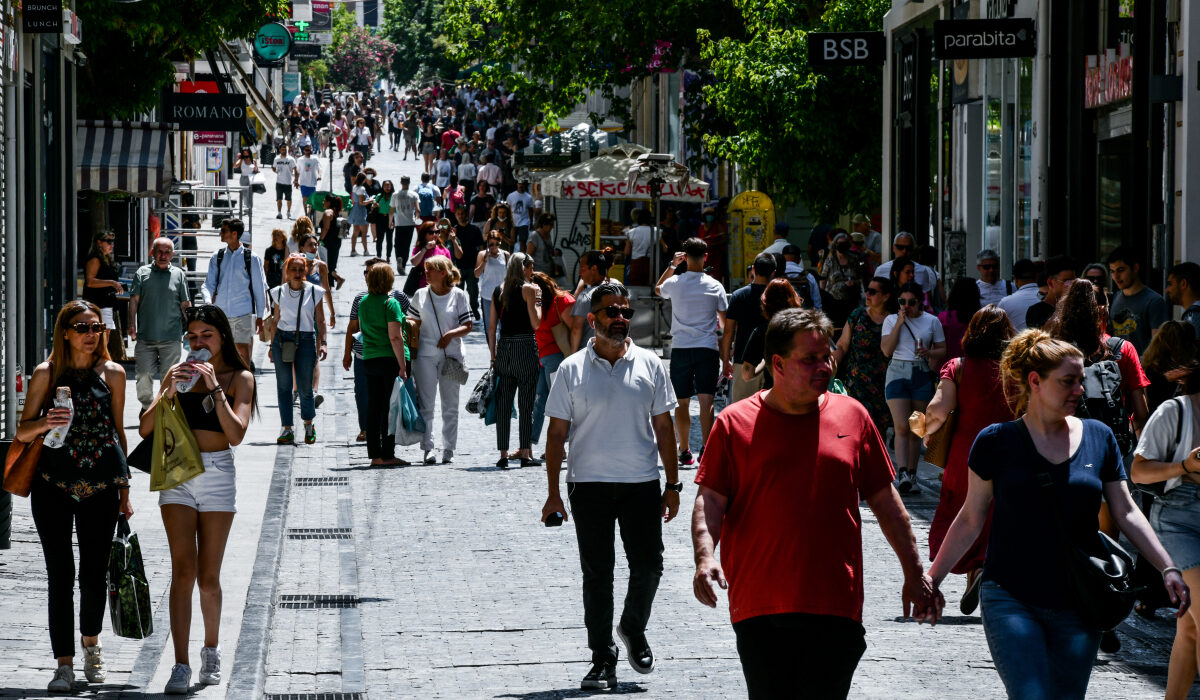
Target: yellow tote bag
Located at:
point(176, 458)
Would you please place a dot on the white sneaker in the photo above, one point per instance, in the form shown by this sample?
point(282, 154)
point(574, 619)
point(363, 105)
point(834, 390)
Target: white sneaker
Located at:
point(93, 664)
point(64, 680)
point(429, 457)
point(181, 680)
point(210, 665)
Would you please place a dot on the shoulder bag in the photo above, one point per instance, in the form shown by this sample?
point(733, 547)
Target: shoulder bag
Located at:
point(452, 368)
point(130, 608)
point(287, 348)
point(21, 461)
point(937, 452)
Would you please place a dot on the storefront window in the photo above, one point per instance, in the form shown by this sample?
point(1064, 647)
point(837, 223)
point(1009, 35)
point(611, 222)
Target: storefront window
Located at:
point(1008, 158)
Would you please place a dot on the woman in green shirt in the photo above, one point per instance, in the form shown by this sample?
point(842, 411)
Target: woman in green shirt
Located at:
point(384, 204)
point(385, 356)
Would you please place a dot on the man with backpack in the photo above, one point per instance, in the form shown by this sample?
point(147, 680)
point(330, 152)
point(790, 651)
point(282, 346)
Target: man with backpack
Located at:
point(237, 285)
point(428, 198)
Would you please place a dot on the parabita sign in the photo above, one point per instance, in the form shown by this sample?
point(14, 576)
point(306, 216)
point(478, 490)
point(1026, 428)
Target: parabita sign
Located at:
point(984, 38)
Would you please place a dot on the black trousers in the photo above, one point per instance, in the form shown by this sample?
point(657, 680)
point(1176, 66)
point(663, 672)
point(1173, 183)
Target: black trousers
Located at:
point(471, 283)
point(404, 236)
point(333, 248)
point(94, 520)
point(384, 232)
point(381, 376)
point(636, 508)
point(794, 655)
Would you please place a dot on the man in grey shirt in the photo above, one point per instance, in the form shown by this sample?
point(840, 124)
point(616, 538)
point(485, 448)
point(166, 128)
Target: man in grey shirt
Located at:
point(539, 246)
point(1137, 311)
point(593, 271)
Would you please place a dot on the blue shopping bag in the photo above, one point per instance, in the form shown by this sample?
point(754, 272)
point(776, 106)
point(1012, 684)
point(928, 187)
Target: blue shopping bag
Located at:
point(404, 420)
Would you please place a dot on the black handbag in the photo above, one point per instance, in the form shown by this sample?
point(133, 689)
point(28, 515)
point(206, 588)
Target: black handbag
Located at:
point(1099, 571)
point(130, 607)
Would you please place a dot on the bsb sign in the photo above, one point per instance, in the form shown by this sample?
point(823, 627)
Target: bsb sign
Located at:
point(984, 38)
point(203, 112)
point(829, 49)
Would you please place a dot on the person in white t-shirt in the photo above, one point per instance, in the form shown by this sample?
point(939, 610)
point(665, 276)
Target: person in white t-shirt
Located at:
point(520, 202)
point(309, 174)
point(285, 172)
point(443, 170)
point(698, 304)
point(915, 342)
point(639, 244)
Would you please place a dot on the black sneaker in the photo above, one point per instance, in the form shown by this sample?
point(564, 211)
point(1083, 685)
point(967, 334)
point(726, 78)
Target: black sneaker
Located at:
point(1110, 643)
point(638, 651)
point(903, 485)
point(602, 677)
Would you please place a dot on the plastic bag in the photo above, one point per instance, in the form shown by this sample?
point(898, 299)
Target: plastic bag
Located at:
point(481, 395)
point(129, 605)
point(176, 457)
point(404, 420)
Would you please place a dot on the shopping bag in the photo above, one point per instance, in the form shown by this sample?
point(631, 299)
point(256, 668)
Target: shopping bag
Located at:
point(481, 395)
point(403, 417)
point(176, 457)
point(129, 606)
point(489, 415)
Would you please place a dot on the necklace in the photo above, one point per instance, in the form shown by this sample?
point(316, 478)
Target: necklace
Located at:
point(295, 293)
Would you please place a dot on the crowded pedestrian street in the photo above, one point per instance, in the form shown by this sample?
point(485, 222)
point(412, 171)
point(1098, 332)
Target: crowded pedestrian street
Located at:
point(345, 580)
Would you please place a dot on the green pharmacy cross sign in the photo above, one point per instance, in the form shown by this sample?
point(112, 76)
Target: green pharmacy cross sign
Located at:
point(273, 42)
point(301, 31)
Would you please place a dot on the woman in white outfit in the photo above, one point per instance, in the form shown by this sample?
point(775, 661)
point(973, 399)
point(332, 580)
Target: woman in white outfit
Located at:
point(489, 270)
point(444, 312)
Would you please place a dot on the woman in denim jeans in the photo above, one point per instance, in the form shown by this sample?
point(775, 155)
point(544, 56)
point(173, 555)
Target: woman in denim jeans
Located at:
point(299, 319)
point(1166, 455)
point(1042, 646)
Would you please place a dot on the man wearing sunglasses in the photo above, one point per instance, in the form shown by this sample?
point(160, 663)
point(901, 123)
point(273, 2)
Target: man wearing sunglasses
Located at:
point(614, 399)
point(157, 300)
point(905, 246)
point(991, 288)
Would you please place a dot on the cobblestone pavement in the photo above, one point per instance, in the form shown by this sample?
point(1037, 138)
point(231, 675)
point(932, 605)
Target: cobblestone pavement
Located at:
point(439, 581)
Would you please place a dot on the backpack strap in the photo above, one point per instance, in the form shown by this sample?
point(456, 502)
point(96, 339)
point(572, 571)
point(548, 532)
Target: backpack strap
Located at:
point(250, 281)
point(1008, 286)
point(1115, 344)
point(217, 287)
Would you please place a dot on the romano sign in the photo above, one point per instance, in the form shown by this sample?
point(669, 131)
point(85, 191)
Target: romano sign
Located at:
point(984, 38)
point(202, 112)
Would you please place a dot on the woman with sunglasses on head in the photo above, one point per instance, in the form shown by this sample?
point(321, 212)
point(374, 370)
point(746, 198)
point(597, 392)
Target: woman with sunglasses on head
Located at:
point(490, 266)
point(83, 485)
point(101, 285)
point(298, 344)
point(517, 310)
point(914, 341)
point(429, 243)
point(198, 514)
point(859, 354)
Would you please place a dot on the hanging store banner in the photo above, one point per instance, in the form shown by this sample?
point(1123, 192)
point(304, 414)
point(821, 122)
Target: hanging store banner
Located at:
point(202, 112)
point(291, 87)
point(984, 38)
point(1109, 79)
point(210, 138)
point(42, 17)
point(826, 49)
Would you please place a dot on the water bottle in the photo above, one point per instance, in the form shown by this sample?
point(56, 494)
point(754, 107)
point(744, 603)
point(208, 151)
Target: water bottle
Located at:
point(201, 355)
point(56, 436)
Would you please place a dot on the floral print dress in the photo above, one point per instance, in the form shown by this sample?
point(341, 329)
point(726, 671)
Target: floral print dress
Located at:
point(864, 369)
point(90, 460)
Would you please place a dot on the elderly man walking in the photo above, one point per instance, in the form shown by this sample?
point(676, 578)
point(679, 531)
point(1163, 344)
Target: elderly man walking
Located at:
point(618, 433)
point(786, 514)
point(157, 300)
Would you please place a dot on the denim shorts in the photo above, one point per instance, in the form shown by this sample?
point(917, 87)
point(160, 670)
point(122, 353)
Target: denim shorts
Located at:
point(213, 491)
point(907, 379)
point(1175, 516)
point(695, 371)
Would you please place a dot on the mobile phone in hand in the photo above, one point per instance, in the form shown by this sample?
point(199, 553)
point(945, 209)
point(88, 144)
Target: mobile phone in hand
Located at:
point(554, 520)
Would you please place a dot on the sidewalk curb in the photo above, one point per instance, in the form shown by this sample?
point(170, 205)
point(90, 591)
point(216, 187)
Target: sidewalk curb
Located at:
point(249, 673)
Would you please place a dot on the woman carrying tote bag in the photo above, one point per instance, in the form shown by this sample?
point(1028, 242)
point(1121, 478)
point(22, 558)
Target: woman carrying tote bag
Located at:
point(299, 342)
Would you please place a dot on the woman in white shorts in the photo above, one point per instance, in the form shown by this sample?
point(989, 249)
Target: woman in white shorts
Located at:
point(199, 513)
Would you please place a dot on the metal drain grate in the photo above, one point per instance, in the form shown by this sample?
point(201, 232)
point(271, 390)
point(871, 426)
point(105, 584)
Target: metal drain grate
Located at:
point(313, 602)
point(316, 696)
point(322, 480)
point(318, 533)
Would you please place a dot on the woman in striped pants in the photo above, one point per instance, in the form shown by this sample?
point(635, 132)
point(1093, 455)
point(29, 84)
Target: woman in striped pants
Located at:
point(517, 310)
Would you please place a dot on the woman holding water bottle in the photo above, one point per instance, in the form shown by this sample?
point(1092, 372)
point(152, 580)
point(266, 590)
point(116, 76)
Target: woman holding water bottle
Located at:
point(915, 342)
point(82, 480)
point(217, 397)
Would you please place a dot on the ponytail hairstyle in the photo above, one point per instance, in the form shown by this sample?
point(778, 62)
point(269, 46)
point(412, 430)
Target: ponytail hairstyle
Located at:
point(1033, 350)
point(441, 262)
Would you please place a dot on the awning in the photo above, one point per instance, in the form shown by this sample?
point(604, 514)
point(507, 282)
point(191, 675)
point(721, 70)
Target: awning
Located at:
point(129, 157)
point(617, 174)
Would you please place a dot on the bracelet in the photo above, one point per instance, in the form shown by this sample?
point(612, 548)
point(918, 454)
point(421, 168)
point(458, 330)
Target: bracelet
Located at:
point(1176, 569)
point(1183, 466)
point(218, 390)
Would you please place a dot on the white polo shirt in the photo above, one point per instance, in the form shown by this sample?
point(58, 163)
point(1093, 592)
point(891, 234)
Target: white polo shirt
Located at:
point(609, 407)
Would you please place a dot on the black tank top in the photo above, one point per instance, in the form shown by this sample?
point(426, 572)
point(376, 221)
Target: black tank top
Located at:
point(192, 404)
point(514, 320)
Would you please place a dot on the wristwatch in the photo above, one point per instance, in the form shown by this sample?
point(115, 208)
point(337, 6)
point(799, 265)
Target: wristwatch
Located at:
point(677, 487)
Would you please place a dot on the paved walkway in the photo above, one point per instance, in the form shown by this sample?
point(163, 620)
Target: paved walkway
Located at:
point(347, 581)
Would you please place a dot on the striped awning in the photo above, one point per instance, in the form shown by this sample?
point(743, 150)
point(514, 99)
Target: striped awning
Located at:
point(129, 157)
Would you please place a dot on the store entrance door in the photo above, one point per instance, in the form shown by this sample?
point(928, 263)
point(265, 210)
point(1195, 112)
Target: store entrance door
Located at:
point(1114, 194)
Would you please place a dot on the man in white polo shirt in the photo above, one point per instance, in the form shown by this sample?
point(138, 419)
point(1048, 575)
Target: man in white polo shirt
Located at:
point(614, 400)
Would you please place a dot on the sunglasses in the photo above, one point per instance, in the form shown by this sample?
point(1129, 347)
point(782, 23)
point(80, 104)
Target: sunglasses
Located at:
point(1098, 281)
point(84, 328)
point(871, 291)
point(910, 302)
point(109, 241)
point(493, 245)
point(989, 267)
point(624, 312)
point(897, 246)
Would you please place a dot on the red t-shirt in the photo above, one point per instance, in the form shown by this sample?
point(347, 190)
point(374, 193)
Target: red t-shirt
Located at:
point(791, 540)
point(551, 318)
point(1132, 376)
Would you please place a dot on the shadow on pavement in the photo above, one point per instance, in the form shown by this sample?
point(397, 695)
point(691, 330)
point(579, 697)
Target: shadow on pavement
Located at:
point(621, 689)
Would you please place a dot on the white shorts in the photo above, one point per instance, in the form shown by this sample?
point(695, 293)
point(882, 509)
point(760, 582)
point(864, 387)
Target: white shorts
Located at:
point(213, 491)
point(106, 315)
point(243, 329)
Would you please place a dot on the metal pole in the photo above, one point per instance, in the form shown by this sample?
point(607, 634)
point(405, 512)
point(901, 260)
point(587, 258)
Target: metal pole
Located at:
point(655, 191)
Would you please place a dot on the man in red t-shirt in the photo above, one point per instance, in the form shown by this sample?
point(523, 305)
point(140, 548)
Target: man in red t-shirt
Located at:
point(786, 513)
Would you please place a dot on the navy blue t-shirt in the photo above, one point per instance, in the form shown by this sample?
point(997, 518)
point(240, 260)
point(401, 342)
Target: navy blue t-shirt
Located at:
point(745, 307)
point(1023, 554)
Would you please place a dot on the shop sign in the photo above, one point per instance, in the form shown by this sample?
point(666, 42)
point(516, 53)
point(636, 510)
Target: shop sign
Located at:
point(72, 28)
point(42, 17)
point(210, 138)
point(202, 112)
point(291, 87)
point(984, 38)
point(846, 49)
point(602, 189)
point(272, 42)
point(322, 16)
point(306, 51)
point(1109, 79)
point(199, 86)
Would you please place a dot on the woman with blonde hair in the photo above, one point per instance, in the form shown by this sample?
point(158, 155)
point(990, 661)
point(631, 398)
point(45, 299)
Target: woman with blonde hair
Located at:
point(81, 486)
point(300, 229)
point(1043, 476)
point(444, 311)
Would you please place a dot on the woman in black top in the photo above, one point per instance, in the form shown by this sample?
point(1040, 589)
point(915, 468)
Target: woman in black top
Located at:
point(83, 485)
point(101, 286)
point(273, 258)
point(517, 309)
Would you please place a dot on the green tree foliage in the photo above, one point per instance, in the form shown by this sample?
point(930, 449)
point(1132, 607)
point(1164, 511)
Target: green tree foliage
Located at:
point(357, 57)
point(130, 47)
point(417, 28)
point(563, 51)
point(803, 136)
point(317, 70)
